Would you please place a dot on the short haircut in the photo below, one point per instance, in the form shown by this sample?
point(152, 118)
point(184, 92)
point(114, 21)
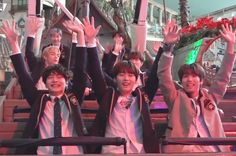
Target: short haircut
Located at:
point(55, 30)
point(136, 55)
point(47, 49)
point(193, 68)
point(118, 33)
point(125, 67)
point(54, 69)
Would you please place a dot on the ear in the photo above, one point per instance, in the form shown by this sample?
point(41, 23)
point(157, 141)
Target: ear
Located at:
point(201, 83)
point(44, 56)
point(46, 84)
point(114, 80)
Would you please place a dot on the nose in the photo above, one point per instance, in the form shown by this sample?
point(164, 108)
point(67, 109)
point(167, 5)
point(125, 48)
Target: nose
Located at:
point(125, 77)
point(54, 79)
point(190, 78)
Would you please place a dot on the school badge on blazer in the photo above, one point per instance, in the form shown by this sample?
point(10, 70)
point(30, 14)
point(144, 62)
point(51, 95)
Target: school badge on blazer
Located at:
point(209, 105)
point(146, 99)
point(73, 99)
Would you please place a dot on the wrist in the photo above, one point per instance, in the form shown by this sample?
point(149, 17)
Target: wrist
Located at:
point(32, 35)
point(168, 47)
point(91, 41)
point(115, 53)
point(15, 48)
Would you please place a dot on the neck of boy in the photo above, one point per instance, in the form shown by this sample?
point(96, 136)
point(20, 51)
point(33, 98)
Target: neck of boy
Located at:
point(57, 94)
point(126, 94)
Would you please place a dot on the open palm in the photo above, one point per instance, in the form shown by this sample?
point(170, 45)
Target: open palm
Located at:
point(89, 29)
point(171, 33)
point(227, 33)
point(9, 31)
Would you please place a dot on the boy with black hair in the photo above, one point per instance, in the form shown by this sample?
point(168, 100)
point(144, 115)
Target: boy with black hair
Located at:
point(56, 114)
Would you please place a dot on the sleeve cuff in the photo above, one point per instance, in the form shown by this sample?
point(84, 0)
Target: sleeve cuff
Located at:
point(74, 41)
point(80, 45)
point(11, 53)
point(31, 35)
point(168, 54)
point(115, 53)
point(92, 45)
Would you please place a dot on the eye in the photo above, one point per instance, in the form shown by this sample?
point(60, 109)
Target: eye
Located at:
point(49, 77)
point(130, 75)
point(121, 74)
point(185, 76)
point(60, 76)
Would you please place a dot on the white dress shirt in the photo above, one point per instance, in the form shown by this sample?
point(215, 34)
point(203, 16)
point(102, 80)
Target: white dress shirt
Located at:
point(126, 123)
point(46, 129)
point(198, 128)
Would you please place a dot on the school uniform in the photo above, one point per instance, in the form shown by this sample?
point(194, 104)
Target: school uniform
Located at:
point(108, 100)
point(189, 117)
point(39, 101)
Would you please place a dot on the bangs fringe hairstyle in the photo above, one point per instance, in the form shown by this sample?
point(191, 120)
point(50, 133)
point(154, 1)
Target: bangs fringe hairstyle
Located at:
point(136, 56)
point(49, 48)
point(125, 67)
point(56, 30)
point(193, 68)
point(54, 69)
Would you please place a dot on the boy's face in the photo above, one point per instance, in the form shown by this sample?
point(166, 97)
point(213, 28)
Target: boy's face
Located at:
point(191, 84)
point(125, 83)
point(52, 57)
point(56, 84)
point(56, 39)
point(137, 62)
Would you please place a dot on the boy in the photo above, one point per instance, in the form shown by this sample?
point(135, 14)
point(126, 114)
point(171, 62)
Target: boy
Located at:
point(50, 54)
point(120, 107)
point(56, 114)
point(66, 59)
point(193, 109)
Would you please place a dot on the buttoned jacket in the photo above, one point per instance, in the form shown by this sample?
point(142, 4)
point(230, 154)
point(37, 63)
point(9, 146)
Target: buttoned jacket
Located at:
point(37, 99)
point(107, 99)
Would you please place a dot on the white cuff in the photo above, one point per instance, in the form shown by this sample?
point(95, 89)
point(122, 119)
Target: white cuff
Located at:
point(115, 53)
point(168, 54)
point(31, 35)
point(80, 45)
point(91, 45)
point(11, 53)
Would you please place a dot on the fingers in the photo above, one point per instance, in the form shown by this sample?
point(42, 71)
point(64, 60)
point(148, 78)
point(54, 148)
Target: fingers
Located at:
point(92, 20)
point(86, 21)
point(98, 29)
point(5, 28)
point(13, 24)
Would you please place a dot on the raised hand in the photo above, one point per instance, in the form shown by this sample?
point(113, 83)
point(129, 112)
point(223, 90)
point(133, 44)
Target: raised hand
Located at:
point(71, 26)
point(90, 31)
point(11, 35)
point(228, 34)
point(33, 24)
point(171, 32)
point(9, 31)
point(77, 30)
